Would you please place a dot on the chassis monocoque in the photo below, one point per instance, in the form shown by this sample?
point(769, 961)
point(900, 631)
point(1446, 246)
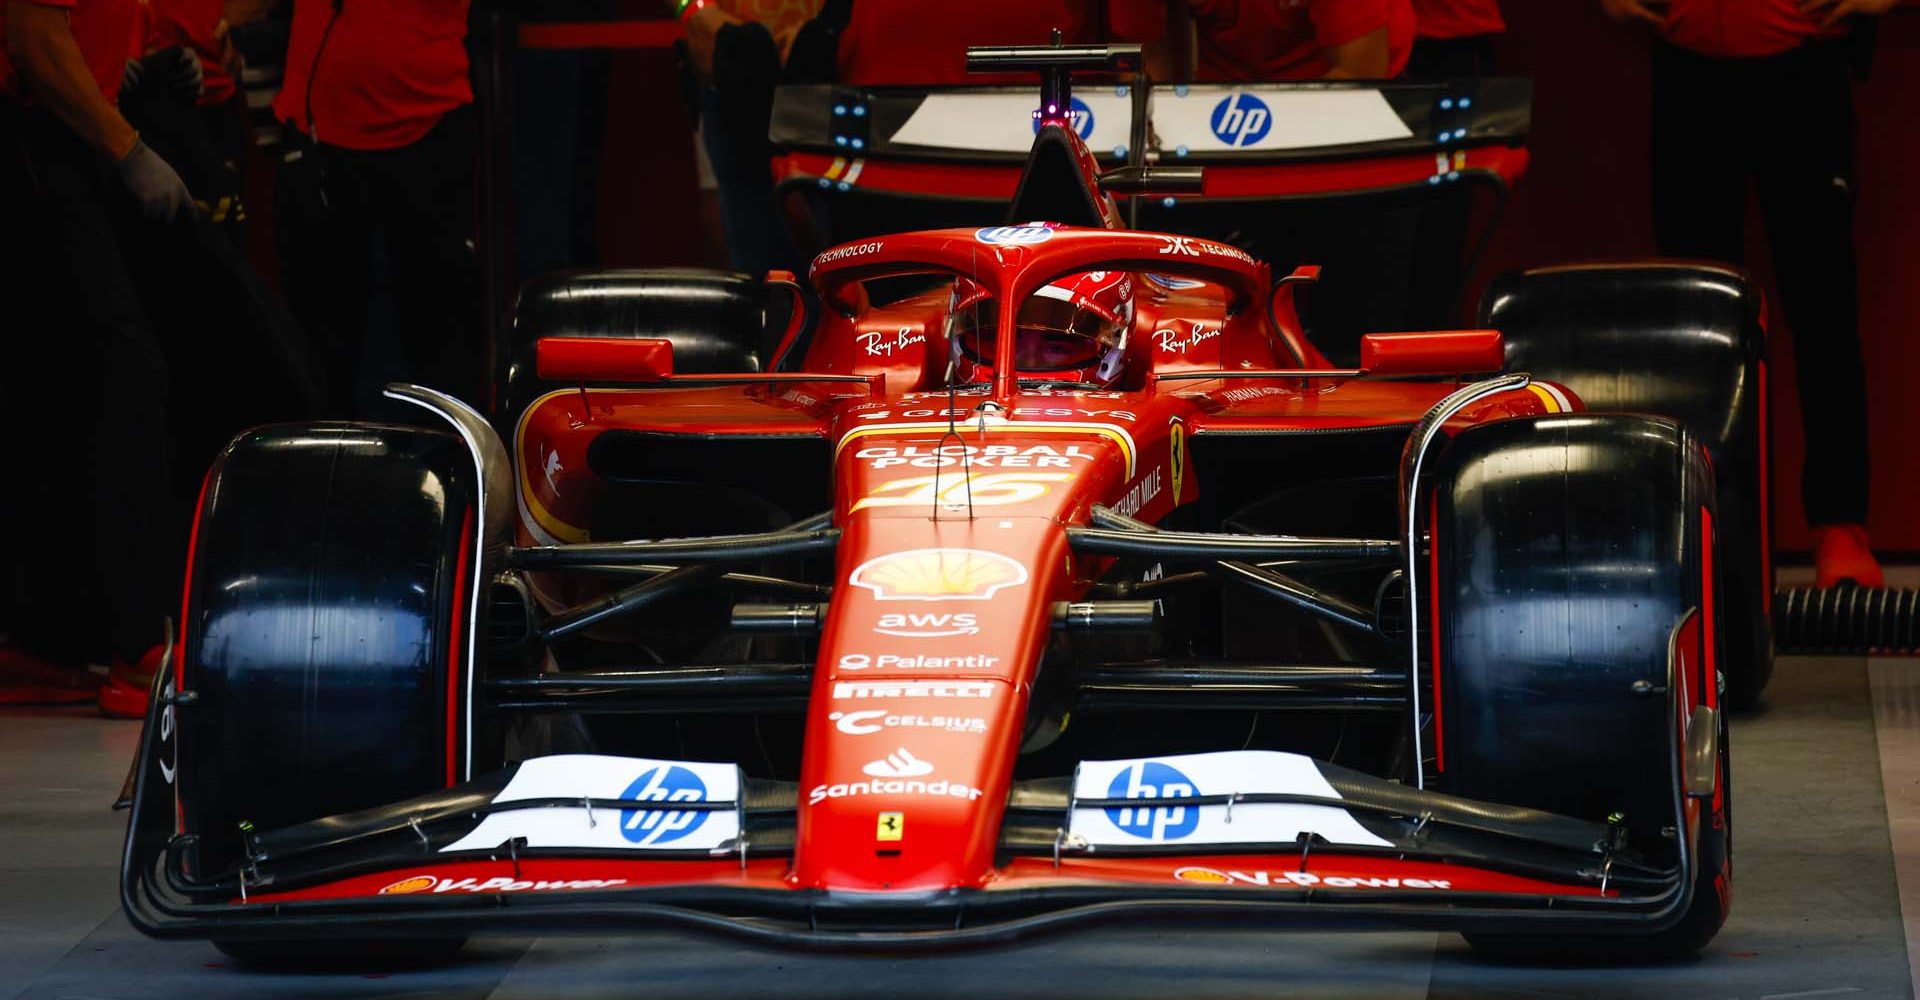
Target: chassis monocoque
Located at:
point(799, 641)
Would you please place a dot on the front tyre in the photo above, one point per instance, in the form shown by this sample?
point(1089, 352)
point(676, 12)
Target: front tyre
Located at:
point(1572, 596)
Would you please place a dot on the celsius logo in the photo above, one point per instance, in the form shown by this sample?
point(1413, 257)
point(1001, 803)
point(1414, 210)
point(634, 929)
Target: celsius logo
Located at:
point(1153, 780)
point(668, 783)
point(898, 764)
point(1082, 119)
point(1241, 119)
point(1013, 236)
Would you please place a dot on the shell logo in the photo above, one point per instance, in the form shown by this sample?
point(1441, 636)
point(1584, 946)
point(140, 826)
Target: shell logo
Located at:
point(1206, 875)
point(418, 883)
point(938, 575)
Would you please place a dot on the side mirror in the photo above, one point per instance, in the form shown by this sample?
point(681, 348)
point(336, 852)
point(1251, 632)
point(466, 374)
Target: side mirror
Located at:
point(1437, 352)
point(603, 359)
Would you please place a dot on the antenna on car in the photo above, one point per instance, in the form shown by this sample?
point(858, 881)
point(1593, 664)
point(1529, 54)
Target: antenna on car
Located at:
point(953, 429)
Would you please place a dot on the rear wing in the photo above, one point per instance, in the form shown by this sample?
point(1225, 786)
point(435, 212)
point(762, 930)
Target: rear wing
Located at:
point(855, 162)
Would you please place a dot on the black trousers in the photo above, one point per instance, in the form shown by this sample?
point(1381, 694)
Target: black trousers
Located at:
point(90, 534)
point(1785, 123)
point(419, 199)
point(1440, 245)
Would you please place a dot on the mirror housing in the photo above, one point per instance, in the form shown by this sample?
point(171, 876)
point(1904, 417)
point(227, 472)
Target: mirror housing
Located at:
point(1434, 352)
point(604, 359)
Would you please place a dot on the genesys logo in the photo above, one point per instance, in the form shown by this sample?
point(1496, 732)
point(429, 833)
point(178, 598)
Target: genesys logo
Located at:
point(1014, 236)
point(1151, 779)
point(899, 764)
point(1214, 876)
point(857, 690)
point(916, 661)
point(866, 722)
point(938, 575)
point(931, 625)
point(668, 783)
point(1240, 120)
point(435, 884)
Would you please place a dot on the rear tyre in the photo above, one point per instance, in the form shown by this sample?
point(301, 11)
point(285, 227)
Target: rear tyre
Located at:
point(1570, 551)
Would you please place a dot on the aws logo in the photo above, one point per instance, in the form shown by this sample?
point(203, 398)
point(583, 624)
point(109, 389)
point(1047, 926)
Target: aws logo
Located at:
point(914, 625)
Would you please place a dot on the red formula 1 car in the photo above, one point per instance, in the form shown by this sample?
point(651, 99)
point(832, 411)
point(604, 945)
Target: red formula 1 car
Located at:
point(1030, 576)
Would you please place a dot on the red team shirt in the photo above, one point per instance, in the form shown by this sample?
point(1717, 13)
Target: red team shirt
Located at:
point(1277, 39)
point(1458, 18)
point(923, 42)
point(107, 32)
point(190, 23)
point(390, 71)
point(1742, 28)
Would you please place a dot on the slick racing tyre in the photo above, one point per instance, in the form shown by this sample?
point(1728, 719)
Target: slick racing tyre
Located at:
point(328, 612)
point(1682, 340)
point(1573, 594)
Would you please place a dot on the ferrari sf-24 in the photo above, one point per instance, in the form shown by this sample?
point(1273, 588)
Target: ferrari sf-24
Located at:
point(1027, 577)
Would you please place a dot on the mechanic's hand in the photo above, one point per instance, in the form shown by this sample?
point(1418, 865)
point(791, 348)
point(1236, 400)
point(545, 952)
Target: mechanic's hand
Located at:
point(190, 80)
point(1831, 11)
point(1635, 10)
point(131, 76)
point(702, 28)
point(229, 55)
point(161, 193)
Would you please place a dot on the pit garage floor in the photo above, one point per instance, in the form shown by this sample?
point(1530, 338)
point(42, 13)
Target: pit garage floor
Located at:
point(1823, 774)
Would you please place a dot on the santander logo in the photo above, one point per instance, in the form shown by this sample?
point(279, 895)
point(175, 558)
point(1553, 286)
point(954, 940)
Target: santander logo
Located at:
point(899, 764)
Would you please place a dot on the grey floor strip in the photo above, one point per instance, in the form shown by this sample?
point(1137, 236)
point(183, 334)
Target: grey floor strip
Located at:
point(1896, 715)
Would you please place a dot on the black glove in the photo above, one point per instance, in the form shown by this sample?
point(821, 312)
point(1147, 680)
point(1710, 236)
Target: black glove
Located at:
point(190, 79)
point(160, 192)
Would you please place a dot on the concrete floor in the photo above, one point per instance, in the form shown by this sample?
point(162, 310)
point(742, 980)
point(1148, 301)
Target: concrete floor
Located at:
point(1817, 908)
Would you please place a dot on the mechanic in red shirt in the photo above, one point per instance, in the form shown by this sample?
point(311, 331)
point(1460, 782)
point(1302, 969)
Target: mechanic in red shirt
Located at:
point(924, 42)
point(85, 375)
point(1454, 37)
point(1762, 90)
point(1249, 40)
point(382, 138)
point(182, 95)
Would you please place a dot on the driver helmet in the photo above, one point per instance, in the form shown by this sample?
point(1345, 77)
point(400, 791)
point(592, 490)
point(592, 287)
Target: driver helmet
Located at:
point(1072, 329)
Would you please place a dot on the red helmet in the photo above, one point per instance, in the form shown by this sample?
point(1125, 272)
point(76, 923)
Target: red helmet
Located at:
point(1073, 329)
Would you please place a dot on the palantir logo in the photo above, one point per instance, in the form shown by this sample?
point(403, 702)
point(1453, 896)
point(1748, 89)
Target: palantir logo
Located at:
point(1082, 119)
point(1153, 780)
point(1241, 119)
point(653, 827)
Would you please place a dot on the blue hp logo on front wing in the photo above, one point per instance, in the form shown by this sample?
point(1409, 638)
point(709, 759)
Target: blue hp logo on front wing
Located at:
point(1153, 780)
point(1241, 119)
point(668, 783)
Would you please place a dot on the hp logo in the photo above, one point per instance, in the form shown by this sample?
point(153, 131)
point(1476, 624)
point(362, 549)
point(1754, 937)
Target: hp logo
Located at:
point(1241, 119)
point(1013, 236)
point(1082, 119)
point(670, 783)
point(1153, 780)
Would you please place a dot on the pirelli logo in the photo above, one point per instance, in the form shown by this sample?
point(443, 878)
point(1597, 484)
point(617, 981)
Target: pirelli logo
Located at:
point(912, 689)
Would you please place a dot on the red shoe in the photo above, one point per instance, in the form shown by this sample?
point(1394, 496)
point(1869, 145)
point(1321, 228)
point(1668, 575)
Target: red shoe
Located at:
point(1841, 552)
point(26, 679)
point(125, 694)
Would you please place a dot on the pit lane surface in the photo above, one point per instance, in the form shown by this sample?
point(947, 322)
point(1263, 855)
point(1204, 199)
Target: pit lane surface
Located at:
point(1817, 909)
